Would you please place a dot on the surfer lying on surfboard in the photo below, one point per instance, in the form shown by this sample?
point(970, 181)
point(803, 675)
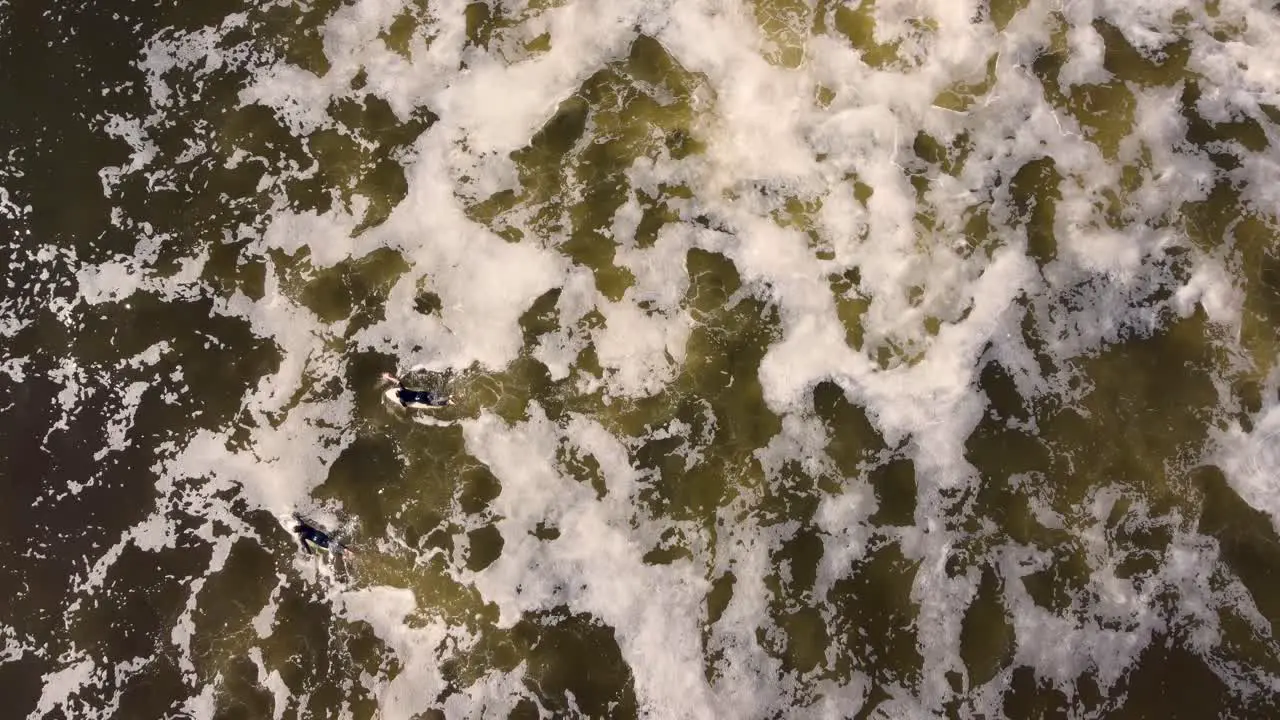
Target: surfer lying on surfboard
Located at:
point(416, 398)
point(313, 538)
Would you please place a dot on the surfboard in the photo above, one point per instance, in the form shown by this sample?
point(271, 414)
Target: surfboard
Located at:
point(392, 396)
point(334, 543)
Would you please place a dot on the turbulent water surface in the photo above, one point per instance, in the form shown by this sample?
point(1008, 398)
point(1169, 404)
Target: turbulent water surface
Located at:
point(812, 358)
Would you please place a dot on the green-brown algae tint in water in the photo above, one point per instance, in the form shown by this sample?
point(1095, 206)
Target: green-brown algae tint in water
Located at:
point(1137, 428)
point(574, 170)
point(68, 67)
point(222, 360)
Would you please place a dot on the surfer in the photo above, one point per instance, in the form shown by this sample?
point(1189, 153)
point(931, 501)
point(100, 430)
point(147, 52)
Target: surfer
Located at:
point(416, 398)
point(313, 538)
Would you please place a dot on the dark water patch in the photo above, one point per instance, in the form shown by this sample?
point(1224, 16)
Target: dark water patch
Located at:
point(1247, 653)
point(370, 480)
point(961, 96)
point(987, 637)
point(1007, 503)
point(713, 279)
point(1063, 587)
point(1164, 66)
point(542, 317)
point(800, 555)
point(156, 692)
point(480, 20)
point(477, 487)
point(874, 698)
point(977, 230)
point(217, 188)
point(719, 596)
point(551, 143)
point(227, 604)
point(1144, 541)
point(427, 302)
point(803, 643)
point(1247, 394)
point(1002, 12)
point(858, 25)
point(140, 601)
point(1030, 697)
point(57, 528)
point(1246, 538)
point(1255, 241)
point(792, 493)
point(717, 601)
point(657, 213)
point(649, 62)
point(1004, 402)
point(666, 470)
point(574, 653)
point(875, 619)
point(240, 697)
point(21, 676)
point(1244, 133)
point(1171, 681)
point(362, 368)
point(939, 155)
point(220, 357)
point(851, 305)
point(296, 32)
point(1034, 193)
point(303, 649)
point(355, 288)
point(1105, 111)
point(396, 471)
point(545, 532)
point(73, 497)
point(54, 74)
point(806, 640)
point(363, 650)
point(229, 270)
point(583, 467)
point(853, 439)
point(895, 488)
point(373, 120)
point(525, 380)
point(1039, 347)
point(574, 169)
point(429, 531)
point(1148, 413)
point(363, 156)
point(722, 362)
point(399, 36)
point(269, 144)
point(667, 555)
point(484, 545)
point(568, 655)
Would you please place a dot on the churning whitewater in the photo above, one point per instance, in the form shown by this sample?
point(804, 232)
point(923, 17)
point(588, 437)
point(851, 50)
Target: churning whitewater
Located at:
point(806, 358)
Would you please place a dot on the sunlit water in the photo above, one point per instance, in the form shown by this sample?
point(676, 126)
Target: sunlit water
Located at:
point(893, 359)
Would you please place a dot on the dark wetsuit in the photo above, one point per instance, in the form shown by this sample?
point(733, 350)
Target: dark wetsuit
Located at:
point(424, 397)
point(308, 534)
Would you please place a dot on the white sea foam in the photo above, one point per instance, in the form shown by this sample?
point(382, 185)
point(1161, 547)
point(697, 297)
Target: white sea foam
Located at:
point(767, 137)
point(1249, 460)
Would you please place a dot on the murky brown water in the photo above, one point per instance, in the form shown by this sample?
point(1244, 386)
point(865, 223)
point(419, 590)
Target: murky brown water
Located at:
point(1071, 488)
